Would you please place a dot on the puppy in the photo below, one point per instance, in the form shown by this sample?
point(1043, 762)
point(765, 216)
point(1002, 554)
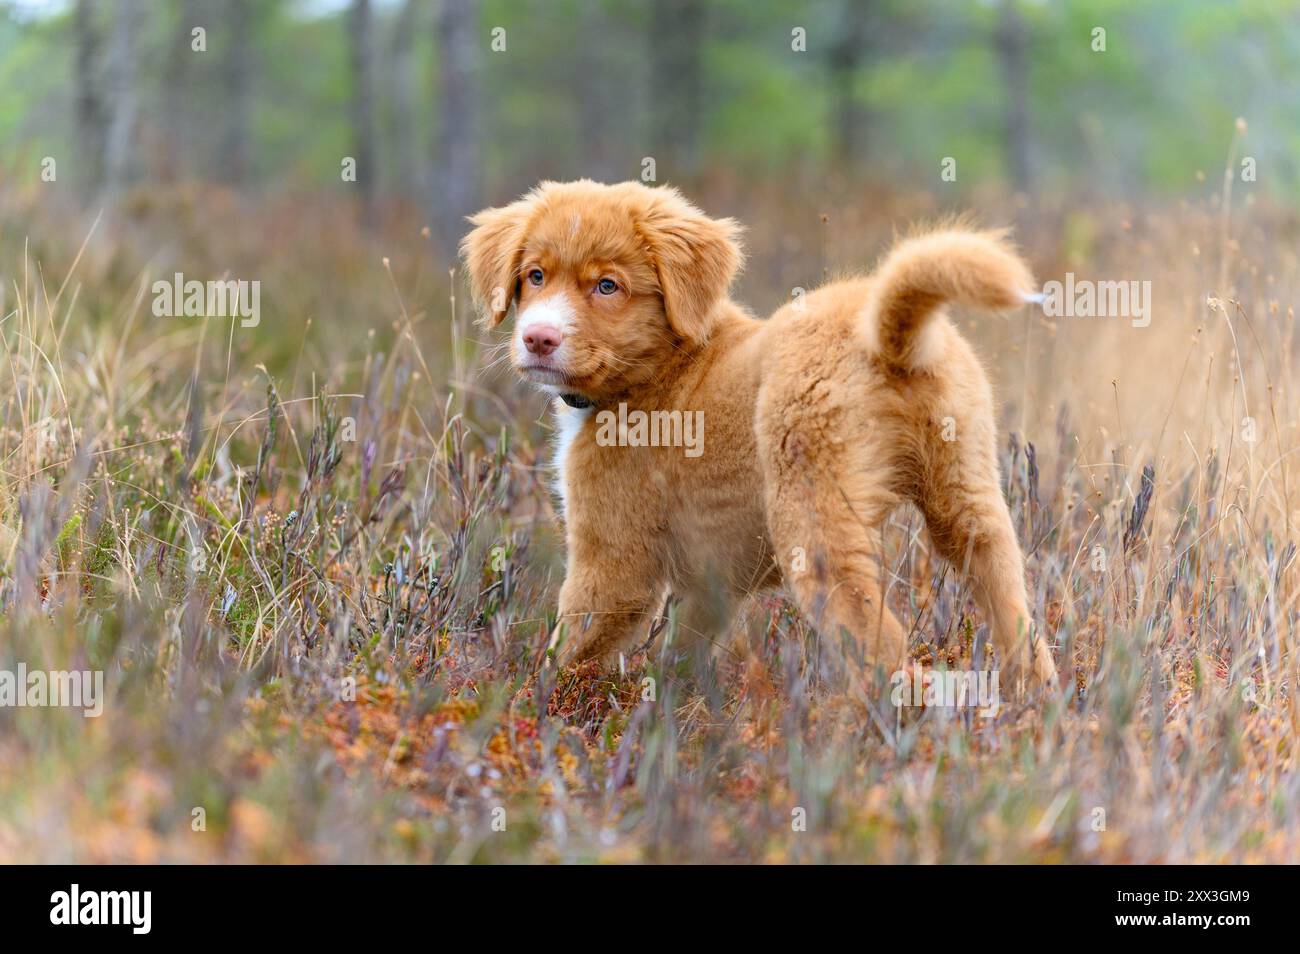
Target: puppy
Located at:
point(816, 422)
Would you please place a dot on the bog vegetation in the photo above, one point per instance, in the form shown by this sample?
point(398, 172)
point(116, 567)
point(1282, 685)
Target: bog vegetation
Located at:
point(317, 557)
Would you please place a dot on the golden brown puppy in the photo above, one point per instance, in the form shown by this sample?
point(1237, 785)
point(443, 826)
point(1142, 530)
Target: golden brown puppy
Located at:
point(773, 450)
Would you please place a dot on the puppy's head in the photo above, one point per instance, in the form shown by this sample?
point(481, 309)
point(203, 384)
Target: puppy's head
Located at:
point(607, 282)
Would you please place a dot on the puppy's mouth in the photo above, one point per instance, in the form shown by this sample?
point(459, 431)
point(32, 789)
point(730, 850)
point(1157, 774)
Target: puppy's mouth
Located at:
point(556, 377)
point(540, 372)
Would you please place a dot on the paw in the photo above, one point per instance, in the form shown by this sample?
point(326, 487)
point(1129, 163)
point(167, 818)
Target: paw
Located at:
point(1045, 670)
point(1023, 675)
point(569, 652)
point(563, 654)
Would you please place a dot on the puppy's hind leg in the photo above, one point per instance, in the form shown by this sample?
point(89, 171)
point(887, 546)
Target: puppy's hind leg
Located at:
point(703, 613)
point(825, 533)
point(960, 494)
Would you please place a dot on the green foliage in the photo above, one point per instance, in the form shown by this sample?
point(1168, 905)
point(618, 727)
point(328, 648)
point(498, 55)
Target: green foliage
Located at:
point(573, 92)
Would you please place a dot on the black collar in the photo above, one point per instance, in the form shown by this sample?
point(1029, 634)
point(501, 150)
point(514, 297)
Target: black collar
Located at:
point(575, 400)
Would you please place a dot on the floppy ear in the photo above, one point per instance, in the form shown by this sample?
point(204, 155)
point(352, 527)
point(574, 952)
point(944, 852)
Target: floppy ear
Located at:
point(696, 258)
point(493, 254)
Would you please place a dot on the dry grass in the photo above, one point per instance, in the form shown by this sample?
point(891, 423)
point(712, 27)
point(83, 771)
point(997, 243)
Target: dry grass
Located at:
point(232, 523)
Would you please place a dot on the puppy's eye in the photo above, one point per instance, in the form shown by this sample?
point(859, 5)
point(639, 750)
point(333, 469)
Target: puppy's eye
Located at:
point(535, 276)
point(607, 286)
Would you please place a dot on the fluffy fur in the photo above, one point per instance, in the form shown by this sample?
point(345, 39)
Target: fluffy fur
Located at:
point(818, 421)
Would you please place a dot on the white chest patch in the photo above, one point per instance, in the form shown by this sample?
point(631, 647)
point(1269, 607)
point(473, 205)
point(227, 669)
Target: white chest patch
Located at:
point(568, 422)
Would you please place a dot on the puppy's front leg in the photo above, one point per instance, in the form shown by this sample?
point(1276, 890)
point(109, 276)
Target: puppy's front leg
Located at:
point(606, 605)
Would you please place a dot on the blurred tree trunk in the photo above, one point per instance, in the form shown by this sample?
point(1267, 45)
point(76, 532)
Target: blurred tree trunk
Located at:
point(676, 28)
point(847, 53)
point(600, 118)
point(122, 94)
point(363, 120)
point(236, 63)
point(405, 79)
point(1011, 49)
point(176, 80)
point(455, 176)
point(90, 110)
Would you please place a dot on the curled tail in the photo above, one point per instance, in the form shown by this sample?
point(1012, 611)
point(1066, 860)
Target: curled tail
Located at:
point(978, 269)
